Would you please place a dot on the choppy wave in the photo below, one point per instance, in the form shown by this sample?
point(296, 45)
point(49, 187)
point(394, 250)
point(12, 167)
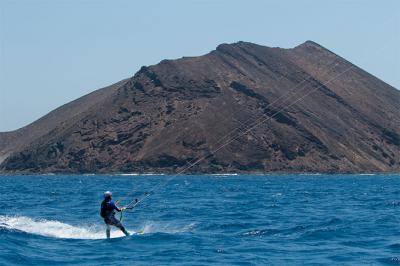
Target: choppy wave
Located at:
point(258, 220)
point(156, 227)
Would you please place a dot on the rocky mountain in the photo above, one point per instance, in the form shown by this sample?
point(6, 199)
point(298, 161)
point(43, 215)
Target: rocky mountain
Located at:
point(240, 108)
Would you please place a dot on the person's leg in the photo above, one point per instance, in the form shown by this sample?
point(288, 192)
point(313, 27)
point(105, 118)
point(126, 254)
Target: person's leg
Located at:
point(108, 229)
point(123, 229)
point(119, 225)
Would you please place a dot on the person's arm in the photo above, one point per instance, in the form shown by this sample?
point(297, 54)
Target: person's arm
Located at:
point(116, 208)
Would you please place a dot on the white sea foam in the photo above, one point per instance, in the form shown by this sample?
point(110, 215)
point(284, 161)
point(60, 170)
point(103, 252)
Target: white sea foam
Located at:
point(57, 229)
point(138, 174)
point(225, 174)
point(53, 228)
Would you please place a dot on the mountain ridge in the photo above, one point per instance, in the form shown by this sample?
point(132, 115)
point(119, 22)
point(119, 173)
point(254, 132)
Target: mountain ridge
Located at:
point(172, 113)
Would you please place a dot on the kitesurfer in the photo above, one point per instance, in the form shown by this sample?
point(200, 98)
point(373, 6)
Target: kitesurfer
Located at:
point(107, 211)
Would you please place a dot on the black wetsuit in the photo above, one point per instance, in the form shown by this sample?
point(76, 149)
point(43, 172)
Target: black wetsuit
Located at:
point(107, 211)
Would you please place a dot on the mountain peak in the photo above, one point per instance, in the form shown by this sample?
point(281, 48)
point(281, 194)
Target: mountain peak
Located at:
point(239, 44)
point(242, 44)
point(310, 45)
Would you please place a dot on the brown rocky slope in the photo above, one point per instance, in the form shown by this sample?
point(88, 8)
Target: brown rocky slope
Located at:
point(241, 108)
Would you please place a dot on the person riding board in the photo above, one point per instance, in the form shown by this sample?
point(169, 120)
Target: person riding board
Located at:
point(107, 212)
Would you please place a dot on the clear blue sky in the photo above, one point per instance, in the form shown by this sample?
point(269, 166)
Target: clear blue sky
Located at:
point(54, 51)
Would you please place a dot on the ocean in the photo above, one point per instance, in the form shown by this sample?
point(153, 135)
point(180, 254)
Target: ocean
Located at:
point(202, 220)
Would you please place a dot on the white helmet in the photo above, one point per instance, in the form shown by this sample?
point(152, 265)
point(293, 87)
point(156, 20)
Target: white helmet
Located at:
point(107, 194)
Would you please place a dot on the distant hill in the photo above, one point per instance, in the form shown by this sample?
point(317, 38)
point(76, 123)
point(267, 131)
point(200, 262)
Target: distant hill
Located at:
point(241, 108)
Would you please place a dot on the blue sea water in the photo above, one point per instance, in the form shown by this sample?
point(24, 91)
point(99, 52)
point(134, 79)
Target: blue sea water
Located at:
point(203, 220)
